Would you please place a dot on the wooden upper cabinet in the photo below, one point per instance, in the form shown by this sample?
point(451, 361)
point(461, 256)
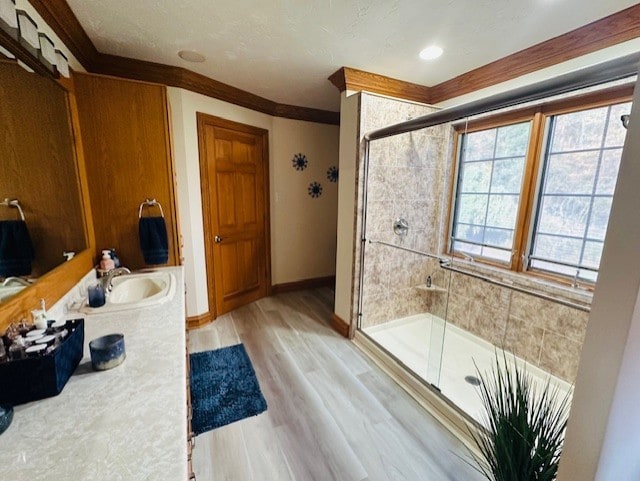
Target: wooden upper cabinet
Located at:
point(126, 138)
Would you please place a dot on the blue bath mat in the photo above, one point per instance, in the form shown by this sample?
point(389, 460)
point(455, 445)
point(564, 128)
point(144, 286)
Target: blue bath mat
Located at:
point(224, 388)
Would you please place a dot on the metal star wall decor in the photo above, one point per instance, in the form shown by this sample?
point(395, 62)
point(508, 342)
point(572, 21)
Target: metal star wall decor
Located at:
point(300, 162)
point(332, 174)
point(315, 190)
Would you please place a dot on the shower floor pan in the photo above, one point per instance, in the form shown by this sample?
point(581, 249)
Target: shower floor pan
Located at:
point(409, 338)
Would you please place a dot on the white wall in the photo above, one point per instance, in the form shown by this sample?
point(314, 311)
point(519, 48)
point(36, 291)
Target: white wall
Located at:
point(294, 220)
point(603, 440)
point(303, 229)
point(349, 149)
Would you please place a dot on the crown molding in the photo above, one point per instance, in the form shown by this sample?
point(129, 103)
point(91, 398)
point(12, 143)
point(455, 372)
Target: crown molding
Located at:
point(348, 78)
point(65, 24)
point(616, 28)
point(606, 32)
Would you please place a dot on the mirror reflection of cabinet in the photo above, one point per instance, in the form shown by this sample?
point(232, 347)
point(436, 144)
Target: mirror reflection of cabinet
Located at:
point(65, 222)
point(38, 165)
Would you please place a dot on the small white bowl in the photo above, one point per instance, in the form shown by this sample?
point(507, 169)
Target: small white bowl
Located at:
point(36, 333)
point(45, 339)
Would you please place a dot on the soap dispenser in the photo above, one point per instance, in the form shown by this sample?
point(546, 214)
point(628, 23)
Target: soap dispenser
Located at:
point(106, 264)
point(114, 256)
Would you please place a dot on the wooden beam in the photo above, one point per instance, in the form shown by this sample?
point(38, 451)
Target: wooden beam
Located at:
point(348, 78)
point(603, 33)
point(606, 32)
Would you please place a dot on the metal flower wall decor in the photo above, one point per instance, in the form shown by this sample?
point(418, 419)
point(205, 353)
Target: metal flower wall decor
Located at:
point(332, 174)
point(300, 162)
point(315, 190)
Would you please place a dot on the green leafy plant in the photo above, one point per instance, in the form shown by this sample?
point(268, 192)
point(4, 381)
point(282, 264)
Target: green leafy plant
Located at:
point(525, 425)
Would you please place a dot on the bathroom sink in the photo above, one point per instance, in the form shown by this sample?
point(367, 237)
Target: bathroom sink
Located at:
point(133, 291)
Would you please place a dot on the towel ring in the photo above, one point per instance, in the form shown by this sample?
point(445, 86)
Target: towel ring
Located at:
point(13, 203)
point(150, 203)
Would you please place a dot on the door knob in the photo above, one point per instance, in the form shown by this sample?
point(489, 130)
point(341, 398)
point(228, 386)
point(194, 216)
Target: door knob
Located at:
point(217, 239)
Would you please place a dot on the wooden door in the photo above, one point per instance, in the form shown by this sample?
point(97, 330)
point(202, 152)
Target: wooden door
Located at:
point(234, 179)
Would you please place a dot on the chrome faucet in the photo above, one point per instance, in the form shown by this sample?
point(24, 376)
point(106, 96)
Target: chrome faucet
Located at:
point(107, 280)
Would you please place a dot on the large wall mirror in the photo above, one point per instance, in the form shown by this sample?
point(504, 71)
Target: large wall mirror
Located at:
point(38, 168)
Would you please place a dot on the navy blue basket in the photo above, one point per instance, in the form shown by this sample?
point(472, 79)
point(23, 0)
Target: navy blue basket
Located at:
point(27, 380)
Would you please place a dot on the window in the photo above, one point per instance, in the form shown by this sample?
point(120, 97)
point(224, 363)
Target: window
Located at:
point(491, 169)
point(534, 191)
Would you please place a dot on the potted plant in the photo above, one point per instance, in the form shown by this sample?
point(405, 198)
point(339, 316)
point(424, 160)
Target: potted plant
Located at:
point(524, 425)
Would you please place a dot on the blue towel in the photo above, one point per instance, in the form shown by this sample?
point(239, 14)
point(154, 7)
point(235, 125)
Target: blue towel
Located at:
point(16, 249)
point(153, 240)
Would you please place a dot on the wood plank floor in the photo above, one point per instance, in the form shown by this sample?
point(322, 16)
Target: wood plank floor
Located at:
point(332, 414)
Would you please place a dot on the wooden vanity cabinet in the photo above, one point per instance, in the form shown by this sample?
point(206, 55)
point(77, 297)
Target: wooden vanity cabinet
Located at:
point(127, 146)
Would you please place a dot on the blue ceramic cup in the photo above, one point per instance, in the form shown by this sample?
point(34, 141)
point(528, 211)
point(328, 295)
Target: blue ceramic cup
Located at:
point(96, 296)
point(107, 352)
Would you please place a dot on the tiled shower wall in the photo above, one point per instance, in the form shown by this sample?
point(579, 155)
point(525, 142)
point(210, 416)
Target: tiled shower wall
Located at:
point(409, 176)
point(543, 333)
point(406, 179)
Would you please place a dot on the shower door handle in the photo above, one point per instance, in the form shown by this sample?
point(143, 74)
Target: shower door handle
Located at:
point(217, 239)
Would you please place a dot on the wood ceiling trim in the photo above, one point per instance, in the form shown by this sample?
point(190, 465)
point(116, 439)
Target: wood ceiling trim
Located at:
point(65, 24)
point(348, 78)
point(606, 32)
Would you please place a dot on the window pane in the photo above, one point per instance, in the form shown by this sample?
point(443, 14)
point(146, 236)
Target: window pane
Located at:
point(473, 233)
point(507, 175)
point(471, 249)
point(512, 140)
point(579, 130)
point(616, 132)
point(599, 218)
point(497, 254)
point(503, 210)
point(563, 249)
point(476, 177)
point(491, 171)
point(608, 173)
point(563, 215)
point(479, 145)
point(571, 173)
point(472, 208)
point(592, 253)
point(580, 171)
point(499, 237)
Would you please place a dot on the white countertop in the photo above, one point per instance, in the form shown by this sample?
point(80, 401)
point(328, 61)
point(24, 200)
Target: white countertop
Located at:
point(128, 423)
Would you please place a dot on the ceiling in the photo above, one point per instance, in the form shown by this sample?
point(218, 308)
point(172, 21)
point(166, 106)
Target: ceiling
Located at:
point(284, 50)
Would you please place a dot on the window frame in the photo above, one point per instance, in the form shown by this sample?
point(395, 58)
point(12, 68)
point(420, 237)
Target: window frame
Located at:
point(532, 176)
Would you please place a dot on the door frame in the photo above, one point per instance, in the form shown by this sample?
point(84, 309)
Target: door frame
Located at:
point(207, 209)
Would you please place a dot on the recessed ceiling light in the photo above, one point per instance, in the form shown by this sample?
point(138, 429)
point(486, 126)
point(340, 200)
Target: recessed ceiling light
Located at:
point(191, 56)
point(432, 52)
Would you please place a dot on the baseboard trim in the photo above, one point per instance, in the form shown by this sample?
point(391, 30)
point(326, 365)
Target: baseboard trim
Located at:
point(328, 281)
point(339, 325)
point(194, 322)
point(441, 409)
